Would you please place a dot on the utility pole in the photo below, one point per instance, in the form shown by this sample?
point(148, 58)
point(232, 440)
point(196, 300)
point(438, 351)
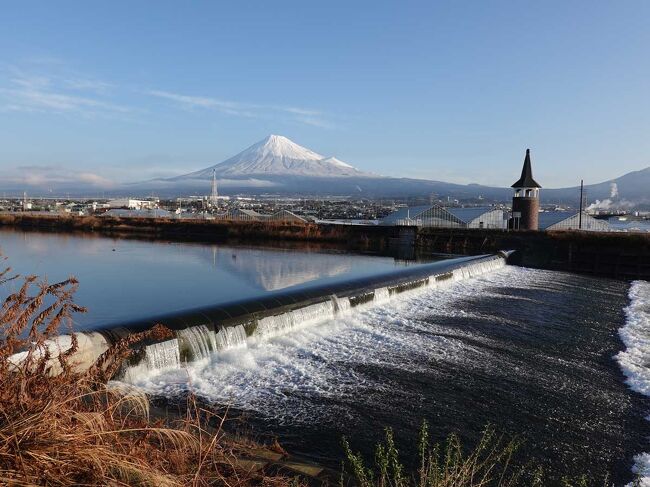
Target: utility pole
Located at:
point(581, 193)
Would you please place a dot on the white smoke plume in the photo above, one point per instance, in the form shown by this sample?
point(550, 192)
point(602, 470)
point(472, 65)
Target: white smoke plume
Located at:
point(608, 204)
point(611, 203)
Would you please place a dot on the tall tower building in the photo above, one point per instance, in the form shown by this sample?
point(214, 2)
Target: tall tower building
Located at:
point(525, 202)
point(214, 197)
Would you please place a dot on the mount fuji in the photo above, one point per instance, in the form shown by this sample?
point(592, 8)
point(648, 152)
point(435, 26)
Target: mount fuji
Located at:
point(277, 156)
point(277, 165)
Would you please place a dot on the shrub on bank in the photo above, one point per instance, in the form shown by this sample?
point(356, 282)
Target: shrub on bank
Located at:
point(491, 463)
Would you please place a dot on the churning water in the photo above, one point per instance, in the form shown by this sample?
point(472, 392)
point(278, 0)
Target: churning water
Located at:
point(635, 359)
point(529, 351)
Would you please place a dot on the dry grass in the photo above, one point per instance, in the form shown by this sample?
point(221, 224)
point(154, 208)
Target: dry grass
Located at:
point(68, 428)
point(488, 464)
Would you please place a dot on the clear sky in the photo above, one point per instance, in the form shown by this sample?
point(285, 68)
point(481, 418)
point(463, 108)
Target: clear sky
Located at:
point(447, 90)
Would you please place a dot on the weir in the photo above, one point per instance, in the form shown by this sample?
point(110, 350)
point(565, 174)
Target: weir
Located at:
point(207, 330)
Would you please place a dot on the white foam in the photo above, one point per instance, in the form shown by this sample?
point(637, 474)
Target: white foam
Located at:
point(635, 359)
point(197, 343)
point(273, 374)
point(641, 468)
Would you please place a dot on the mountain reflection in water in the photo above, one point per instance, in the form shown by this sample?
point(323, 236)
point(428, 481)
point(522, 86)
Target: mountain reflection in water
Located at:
point(132, 279)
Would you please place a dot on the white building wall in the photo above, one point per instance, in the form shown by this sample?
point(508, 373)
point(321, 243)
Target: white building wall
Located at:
point(131, 204)
point(489, 219)
point(589, 223)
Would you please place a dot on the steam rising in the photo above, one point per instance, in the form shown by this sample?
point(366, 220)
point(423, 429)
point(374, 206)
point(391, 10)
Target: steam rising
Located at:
point(611, 203)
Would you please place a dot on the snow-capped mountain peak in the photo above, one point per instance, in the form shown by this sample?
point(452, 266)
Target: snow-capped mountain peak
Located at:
point(280, 146)
point(277, 155)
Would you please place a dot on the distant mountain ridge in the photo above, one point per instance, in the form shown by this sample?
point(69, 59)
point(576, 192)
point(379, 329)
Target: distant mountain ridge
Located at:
point(279, 166)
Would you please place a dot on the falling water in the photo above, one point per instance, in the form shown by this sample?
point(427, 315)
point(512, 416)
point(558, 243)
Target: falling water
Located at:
point(278, 324)
point(163, 355)
point(230, 337)
point(198, 342)
point(341, 305)
point(381, 295)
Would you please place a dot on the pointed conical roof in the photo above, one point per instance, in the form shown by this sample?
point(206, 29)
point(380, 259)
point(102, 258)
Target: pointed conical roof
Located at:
point(526, 180)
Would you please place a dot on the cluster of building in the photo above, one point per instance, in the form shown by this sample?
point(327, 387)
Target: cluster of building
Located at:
point(525, 213)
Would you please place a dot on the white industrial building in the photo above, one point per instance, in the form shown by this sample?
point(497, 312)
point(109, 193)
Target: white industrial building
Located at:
point(240, 214)
point(437, 216)
point(132, 204)
point(286, 216)
point(568, 220)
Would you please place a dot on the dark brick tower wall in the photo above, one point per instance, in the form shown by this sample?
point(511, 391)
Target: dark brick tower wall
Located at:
point(529, 209)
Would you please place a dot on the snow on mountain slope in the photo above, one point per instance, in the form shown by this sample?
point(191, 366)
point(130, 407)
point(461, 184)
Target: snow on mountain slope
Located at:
point(277, 155)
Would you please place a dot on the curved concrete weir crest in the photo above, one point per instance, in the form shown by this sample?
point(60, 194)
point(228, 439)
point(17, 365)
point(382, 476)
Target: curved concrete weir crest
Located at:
point(202, 331)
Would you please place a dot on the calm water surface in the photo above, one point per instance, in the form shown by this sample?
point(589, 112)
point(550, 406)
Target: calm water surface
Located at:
point(130, 279)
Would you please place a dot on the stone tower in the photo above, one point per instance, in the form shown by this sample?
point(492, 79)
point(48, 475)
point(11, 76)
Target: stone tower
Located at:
point(525, 201)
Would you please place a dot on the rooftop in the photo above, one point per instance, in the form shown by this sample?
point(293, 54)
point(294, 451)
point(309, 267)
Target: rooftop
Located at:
point(526, 180)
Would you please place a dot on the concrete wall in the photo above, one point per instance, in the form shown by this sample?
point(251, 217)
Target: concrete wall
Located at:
point(617, 255)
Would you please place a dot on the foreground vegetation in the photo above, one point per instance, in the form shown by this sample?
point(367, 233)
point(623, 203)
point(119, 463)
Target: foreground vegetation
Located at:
point(490, 463)
point(68, 428)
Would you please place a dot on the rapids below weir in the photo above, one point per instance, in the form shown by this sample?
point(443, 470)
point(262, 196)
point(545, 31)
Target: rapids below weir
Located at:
point(531, 352)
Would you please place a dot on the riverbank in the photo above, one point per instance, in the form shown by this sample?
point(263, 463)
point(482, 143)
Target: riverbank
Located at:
point(618, 255)
point(189, 230)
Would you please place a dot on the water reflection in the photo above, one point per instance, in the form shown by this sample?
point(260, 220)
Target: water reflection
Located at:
point(130, 279)
point(272, 270)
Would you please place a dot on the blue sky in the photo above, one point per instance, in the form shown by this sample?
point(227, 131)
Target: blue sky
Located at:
point(455, 91)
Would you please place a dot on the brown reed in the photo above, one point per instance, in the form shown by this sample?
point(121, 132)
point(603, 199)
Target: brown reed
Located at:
point(59, 426)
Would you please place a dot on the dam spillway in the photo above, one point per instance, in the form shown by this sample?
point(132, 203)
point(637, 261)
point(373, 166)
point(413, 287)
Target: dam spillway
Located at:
point(200, 332)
